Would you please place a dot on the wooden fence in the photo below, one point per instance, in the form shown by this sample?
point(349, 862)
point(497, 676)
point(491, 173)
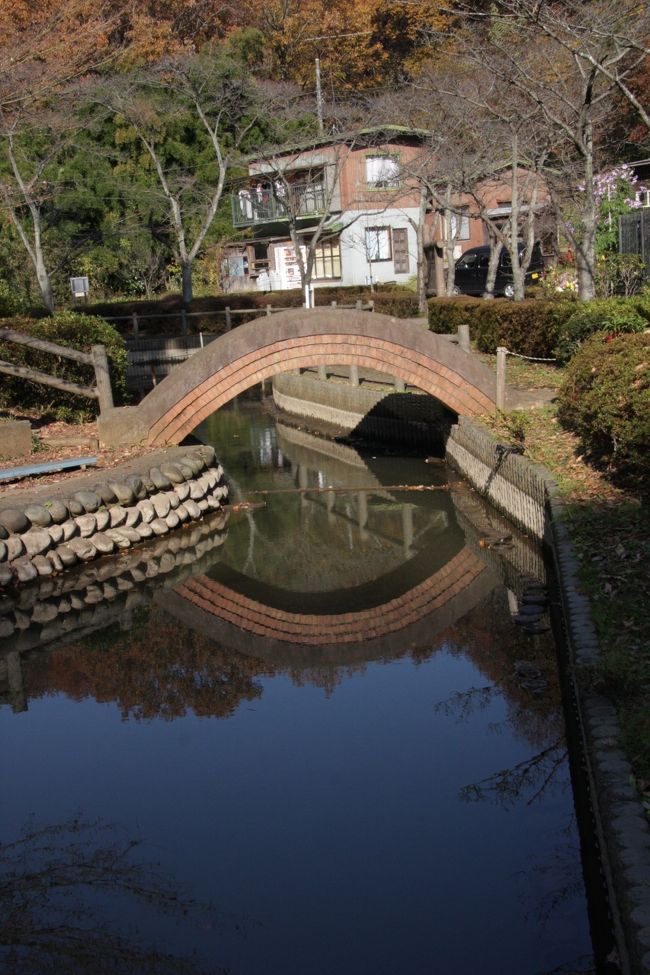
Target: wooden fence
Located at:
point(96, 358)
point(634, 235)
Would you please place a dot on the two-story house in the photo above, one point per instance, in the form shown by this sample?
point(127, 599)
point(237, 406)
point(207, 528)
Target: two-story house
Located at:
point(348, 206)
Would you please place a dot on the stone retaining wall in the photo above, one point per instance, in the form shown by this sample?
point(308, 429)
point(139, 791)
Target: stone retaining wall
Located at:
point(511, 483)
point(528, 494)
point(75, 603)
point(45, 532)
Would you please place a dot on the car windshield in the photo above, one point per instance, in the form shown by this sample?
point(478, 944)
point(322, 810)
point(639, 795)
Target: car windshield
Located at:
point(466, 261)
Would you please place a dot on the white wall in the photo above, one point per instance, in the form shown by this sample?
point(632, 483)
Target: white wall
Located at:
point(355, 268)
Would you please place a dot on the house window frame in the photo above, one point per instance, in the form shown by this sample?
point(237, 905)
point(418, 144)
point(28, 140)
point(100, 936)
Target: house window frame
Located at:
point(380, 228)
point(379, 183)
point(459, 224)
point(327, 254)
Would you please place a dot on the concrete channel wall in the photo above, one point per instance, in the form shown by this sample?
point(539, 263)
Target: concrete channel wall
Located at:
point(374, 410)
point(528, 495)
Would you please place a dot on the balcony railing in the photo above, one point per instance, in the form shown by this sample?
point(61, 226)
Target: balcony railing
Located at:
point(274, 203)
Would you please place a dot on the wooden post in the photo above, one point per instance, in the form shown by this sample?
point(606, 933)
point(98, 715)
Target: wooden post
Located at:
point(102, 378)
point(183, 322)
point(268, 309)
point(228, 318)
point(354, 375)
point(501, 377)
point(463, 337)
point(135, 324)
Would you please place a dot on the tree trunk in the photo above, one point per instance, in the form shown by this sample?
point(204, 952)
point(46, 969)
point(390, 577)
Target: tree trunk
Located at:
point(186, 279)
point(422, 266)
point(44, 282)
point(518, 277)
point(586, 249)
point(495, 253)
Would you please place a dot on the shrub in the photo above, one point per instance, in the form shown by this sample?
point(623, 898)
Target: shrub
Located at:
point(75, 331)
point(528, 327)
point(619, 274)
point(605, 399)
point(610, 315)
point(394, 303)
point(446, 314)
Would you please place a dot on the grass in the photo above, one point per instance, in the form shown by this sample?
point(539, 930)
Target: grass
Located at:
point(610, 529)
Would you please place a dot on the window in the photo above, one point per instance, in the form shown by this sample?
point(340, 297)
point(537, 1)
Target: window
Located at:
point(327, 262)
point(401, 250)
point(378, 243)
point(382, 172)
point(460, 224)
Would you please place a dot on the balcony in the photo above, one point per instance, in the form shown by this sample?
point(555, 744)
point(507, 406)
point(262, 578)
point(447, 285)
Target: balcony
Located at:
point(273, 204)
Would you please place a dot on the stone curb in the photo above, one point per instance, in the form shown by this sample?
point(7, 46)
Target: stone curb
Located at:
point(621, 824)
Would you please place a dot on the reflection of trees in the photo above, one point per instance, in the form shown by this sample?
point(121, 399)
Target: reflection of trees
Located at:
point(528, 686)
point(487, 635)
point(529, 778)
point(59, 884)
point(160, 670)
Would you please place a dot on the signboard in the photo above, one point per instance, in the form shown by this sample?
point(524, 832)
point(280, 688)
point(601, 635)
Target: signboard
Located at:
point(79, 287)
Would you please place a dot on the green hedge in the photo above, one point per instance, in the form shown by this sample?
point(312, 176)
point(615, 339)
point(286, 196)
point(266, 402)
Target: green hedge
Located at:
point(530, 327)
point(613, 316)
point(75, 331)
point(605, 399)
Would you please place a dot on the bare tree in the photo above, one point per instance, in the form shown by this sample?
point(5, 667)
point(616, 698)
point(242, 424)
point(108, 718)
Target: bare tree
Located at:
point(566, 61)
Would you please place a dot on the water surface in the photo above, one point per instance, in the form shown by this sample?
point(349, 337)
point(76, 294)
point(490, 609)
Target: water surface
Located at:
point(318, 731)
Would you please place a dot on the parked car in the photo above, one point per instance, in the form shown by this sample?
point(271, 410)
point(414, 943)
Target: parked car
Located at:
point(472, 268)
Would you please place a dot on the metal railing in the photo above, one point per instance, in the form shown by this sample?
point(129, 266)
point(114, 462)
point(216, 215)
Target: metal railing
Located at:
point(267, 203)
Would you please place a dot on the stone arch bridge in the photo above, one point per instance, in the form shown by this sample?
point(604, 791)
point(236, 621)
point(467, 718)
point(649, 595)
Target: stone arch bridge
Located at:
point(290, 340)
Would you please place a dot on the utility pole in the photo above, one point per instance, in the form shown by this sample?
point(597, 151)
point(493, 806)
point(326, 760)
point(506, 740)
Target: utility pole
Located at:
point(319, 98)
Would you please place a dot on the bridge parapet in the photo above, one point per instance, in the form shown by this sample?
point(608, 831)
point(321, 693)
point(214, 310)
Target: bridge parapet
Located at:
point(299, 338)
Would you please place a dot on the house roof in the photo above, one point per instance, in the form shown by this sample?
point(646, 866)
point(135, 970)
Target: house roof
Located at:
point(373, 135)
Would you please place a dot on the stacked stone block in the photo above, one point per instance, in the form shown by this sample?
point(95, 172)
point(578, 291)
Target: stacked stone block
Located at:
point(43, 539)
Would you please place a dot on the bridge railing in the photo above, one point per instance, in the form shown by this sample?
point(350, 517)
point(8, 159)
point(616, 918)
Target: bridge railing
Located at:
point(226, 315)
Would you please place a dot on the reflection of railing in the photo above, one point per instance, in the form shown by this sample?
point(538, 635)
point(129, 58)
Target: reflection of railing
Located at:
point(265, 203)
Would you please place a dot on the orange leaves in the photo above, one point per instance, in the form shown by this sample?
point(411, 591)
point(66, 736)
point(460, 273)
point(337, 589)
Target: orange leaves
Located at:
point(361, 43)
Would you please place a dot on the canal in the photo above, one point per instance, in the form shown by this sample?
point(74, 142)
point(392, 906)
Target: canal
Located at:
point(325, 738)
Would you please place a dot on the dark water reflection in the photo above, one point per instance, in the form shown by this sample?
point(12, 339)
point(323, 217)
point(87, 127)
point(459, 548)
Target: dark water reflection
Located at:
point(315, 719)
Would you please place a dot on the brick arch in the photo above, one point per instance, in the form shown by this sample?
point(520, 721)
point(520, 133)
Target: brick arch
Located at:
point(299, 338)
point(249, 626)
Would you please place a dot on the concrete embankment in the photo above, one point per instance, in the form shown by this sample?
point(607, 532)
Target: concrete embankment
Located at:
point(367, 409)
